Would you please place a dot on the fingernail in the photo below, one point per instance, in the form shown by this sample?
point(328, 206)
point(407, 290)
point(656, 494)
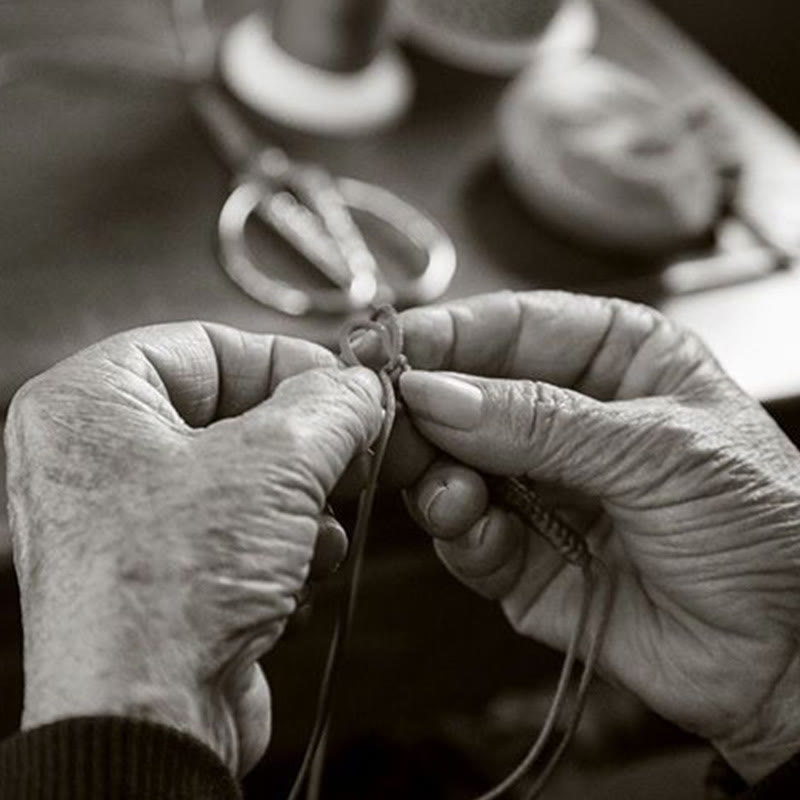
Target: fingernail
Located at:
point(357, 339)
point(366, 346)
point(443, 399)
point(428, 499)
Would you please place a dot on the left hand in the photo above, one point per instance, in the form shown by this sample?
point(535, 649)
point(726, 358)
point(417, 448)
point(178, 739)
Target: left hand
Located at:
point(166, 494)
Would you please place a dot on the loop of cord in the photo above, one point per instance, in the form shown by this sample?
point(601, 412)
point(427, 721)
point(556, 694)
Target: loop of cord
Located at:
point(385, 323)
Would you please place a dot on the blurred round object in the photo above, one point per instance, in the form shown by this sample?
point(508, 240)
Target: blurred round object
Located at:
point(599, 153)
point(303, 96)
point(334, 35)
point(498, 37)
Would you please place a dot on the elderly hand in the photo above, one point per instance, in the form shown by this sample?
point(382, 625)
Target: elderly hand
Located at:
point(166, 492)
point(681, 482)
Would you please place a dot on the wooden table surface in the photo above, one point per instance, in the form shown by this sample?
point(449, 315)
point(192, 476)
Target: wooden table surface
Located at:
point(110, 191)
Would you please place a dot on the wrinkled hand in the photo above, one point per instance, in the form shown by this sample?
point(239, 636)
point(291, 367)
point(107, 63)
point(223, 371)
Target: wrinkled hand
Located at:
point(681, 482)
point(166, 492)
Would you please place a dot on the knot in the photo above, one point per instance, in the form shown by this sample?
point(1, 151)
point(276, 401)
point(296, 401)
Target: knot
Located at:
point(385, 324)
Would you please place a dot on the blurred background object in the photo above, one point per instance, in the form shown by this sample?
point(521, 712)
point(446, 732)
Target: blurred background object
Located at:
point(599, 153)
point(326, 66)
point(312, 211)
point(333, 35)
point(498, 37)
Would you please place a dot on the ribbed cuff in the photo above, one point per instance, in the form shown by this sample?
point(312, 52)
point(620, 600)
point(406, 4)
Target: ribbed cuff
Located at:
point(111, 758)
point(782, 784)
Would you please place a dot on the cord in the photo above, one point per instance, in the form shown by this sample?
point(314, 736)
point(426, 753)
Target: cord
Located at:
point(556, 706)
point(590, 664)
point(314, 754)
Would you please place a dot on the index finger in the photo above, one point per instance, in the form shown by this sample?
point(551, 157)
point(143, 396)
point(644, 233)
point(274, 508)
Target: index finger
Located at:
point(209, 371)
point(603, 347)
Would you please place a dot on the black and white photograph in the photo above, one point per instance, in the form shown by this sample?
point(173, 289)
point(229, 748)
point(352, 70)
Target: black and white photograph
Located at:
point(399, 399)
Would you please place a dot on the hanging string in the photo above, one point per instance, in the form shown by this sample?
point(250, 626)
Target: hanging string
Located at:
point(388, 373)
point(514, 494)
point(519, 497)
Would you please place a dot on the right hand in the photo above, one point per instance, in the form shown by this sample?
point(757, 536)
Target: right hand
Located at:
point(681, 482)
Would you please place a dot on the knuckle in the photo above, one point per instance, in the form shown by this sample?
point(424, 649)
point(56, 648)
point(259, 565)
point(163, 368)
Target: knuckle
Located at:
point(640, 323)
point(292, 356)
point(292, 435)
point(29, 404)
point(691, 342)
point(666, 353)
point(518, 402)
point(637, 317)
point(362, 387)
point(535, 408)
point(350, 398)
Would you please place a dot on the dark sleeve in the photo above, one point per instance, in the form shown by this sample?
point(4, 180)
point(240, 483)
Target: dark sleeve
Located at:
point(111, 758)
point(782, 784)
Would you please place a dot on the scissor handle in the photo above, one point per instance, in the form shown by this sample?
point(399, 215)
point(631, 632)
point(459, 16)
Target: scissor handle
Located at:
point(421, 287)
point(424, 233)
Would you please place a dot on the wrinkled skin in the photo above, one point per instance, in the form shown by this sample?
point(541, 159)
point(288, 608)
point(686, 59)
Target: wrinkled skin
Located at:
point(166, 494)
point(680, 481)
point(167, 486)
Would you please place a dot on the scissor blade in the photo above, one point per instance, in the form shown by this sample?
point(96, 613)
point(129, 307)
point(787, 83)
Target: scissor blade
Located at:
point(305, 232)
point(316, 222)
point(320, 191)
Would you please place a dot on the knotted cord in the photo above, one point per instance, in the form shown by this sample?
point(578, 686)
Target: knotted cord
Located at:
point(516, 495)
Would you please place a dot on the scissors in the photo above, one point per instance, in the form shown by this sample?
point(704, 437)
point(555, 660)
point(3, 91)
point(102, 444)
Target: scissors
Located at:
point(311, 209)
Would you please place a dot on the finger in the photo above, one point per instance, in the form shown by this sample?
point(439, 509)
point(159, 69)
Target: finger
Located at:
point(300, 620)
point(330, 548)
point(250, 696)
point(504, 427)
point(311, 428)
point(605, 348)
point(408, 454)
point(302, 597)
point(634, 627)
point(353, 479)
point(489, 557)
point(448, 500)
point(209, 371)
point(481, 544)
point(545, 602)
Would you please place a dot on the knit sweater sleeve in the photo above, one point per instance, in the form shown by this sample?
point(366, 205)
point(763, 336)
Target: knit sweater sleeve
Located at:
point(111, 758)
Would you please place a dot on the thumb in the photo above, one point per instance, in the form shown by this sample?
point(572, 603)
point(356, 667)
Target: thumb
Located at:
point(314, 424)
point(520, 427)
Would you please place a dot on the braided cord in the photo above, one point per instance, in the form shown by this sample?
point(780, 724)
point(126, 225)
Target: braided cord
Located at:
point(520, 497)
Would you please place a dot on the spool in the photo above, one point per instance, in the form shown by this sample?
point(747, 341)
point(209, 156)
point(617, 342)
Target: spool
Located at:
point(321, 66)
point(498, 37)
